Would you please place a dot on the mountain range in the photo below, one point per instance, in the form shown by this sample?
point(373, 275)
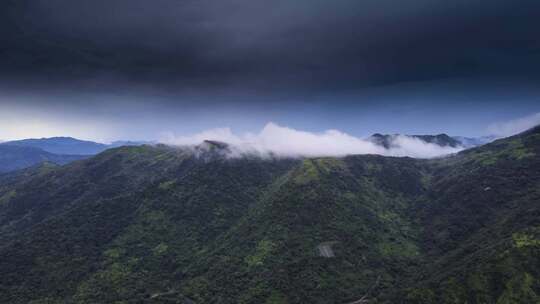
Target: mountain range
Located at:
point(20, 154)
point(161, 224)
point(19, 157)
point(69, 145)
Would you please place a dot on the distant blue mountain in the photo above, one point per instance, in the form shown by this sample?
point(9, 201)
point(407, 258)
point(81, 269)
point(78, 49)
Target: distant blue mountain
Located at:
point(70, 145)
point(21, 154)
point(61, 145)
point(19, 157)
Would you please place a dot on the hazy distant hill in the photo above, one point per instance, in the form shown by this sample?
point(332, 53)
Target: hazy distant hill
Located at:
point(20, 154)
point(19, 157)
point(61, 145)
point(157, 224)
point(69, 145)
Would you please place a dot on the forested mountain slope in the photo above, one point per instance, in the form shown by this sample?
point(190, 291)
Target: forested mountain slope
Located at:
point(481, 225)
point(156, 224)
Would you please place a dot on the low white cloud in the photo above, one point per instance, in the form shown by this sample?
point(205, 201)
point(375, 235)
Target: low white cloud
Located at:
point(284, 141)
point(514, 126)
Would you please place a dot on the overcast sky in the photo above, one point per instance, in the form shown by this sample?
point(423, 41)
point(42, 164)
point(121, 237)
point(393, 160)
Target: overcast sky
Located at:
point(138, 69)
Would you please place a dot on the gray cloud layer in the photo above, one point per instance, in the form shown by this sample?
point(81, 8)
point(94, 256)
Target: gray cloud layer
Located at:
point(93, 68)
point(305, 45)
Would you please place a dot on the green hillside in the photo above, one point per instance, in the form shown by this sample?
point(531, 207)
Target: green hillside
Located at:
point(156, 224)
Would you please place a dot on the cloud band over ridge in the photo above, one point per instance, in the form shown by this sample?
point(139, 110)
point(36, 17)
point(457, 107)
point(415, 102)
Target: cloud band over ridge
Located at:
point(288, 142)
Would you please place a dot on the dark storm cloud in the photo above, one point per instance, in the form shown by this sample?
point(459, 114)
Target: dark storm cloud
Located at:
point(282, 45)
